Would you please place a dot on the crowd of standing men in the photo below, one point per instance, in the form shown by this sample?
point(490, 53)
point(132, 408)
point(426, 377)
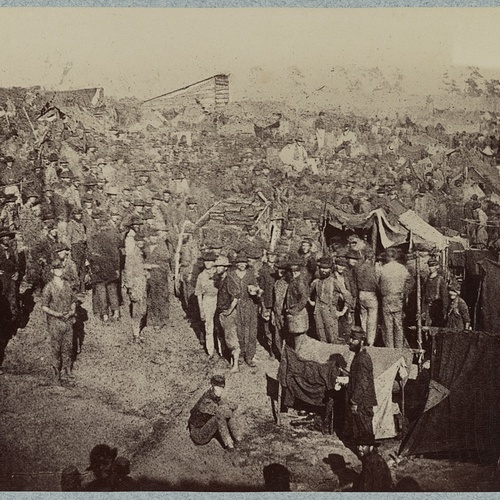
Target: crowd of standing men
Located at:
point(63, 234)
point(61, 237)
point(248, 291)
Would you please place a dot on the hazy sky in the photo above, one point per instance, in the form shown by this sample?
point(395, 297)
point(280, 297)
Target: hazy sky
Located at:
point(146, 52)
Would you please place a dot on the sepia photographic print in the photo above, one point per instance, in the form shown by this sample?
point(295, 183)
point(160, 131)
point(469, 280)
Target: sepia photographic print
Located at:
point(249, 250)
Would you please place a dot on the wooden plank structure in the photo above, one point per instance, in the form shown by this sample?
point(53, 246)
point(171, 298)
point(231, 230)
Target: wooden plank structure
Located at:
point(212, 94)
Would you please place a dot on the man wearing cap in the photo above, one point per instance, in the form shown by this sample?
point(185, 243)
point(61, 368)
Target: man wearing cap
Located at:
point(134, 276)
point(469, 216)
point(266, 278)
point(51, 163)
point(104, 257)
point(346, 140)
point(287, 242)
point(142, 188)
point(481, 234)
point(9, 214)
point(111, 201)
point(70, 273)
point(325, 296)
point(158, 262)
point(320, 129)
point(296, 300)
point(34, 181)
point(99, 194)
point(251, 242)
point(227, 301)
point(309, 259)
point(10, 177)
point(59, 304)
point(394, 284)
point(347, 303)
point(375, 474)
point(9, 272)
point(66, 196)
point(158, 220)
point(31, 228)
point(434, 296)
point(88, 207)
point(366, 277)
point(243, 284)
point(211, 416)
point(457, 316)
point(170, 213)
point(206, 294)
point(187, 262)
point(280, 289)
point(360, 393)
point(76, 234)
point(45, 252)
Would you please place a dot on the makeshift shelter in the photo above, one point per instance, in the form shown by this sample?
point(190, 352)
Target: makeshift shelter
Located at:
point(384, 227)
point(462, 412)
point(210, 94)
point(311, 371)
point(488, 312)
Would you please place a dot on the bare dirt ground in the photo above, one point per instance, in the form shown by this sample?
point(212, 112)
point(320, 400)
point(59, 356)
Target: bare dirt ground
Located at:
point(138, 398)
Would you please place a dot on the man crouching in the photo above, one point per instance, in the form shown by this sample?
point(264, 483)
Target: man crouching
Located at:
point(211, 417)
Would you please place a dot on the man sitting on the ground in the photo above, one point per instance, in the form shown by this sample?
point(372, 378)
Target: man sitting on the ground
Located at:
point(211, 417)
point(375, 474)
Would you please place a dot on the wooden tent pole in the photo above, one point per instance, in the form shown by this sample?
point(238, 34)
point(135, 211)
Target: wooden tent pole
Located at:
point(419, 312)
point(476, 304)
point(374, 236)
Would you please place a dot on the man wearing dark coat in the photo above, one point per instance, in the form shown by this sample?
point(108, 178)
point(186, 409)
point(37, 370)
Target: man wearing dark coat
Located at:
point(361, 397)
point(435, 296)
point(375, 473)
point(104, 257)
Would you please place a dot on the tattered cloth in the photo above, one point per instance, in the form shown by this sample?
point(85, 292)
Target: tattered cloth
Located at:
point(302, 373)
point(488, 310)
point(307, 380)
point(462, 413)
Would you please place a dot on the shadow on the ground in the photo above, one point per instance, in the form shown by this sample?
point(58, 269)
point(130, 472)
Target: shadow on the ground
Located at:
point(149, 484)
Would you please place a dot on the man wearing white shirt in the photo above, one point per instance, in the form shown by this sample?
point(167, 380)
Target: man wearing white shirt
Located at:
point(394, 282)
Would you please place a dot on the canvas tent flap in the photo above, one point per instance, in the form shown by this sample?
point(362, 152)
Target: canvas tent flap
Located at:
point(437, 393)
point(387, 363)
point(389, 233)
point(412, 222)
point(467, 421)
point(488, 310)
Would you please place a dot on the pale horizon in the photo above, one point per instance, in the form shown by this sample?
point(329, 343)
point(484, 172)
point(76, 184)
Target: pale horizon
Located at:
point(146, 52)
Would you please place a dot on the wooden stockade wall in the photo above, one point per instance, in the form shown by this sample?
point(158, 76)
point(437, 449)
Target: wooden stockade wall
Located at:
point(211, 94)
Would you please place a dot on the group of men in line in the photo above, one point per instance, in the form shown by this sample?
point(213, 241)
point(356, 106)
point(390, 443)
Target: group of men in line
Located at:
point(237, 295)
